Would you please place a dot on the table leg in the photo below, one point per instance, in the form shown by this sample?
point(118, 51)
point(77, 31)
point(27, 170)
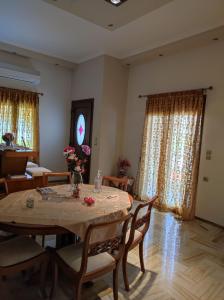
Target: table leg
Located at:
point(63, 240)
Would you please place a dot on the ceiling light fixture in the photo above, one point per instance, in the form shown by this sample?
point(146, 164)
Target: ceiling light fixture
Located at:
point(116, 2)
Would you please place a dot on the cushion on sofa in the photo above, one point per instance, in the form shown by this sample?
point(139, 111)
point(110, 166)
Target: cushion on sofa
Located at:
point(30, 164)
point(38, 171)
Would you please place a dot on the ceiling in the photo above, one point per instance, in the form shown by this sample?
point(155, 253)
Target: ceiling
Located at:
point(106, 15)
point(42, 27)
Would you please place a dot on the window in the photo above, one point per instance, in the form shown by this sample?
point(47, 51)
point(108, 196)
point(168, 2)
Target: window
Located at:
point(19, 115)
point(171, 150)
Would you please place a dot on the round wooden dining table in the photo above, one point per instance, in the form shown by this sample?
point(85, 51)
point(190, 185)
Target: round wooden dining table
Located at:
point(61, 213)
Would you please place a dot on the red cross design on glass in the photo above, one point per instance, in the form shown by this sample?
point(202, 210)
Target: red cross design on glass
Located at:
point(80, 130)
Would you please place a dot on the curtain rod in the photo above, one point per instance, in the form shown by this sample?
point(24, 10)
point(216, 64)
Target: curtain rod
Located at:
point(204, 90)
point(3, 87)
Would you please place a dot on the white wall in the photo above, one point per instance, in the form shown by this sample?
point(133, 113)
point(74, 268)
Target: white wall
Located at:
point(54, 114)
point(54, 111)
point(88, 83)
point(113, 111)
point(193, 69)
point(105, 80)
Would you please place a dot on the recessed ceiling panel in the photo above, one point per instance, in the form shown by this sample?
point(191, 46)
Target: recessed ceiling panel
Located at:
point(106, 15)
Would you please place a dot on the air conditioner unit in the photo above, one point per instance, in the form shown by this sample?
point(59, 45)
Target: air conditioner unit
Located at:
point(17, 73)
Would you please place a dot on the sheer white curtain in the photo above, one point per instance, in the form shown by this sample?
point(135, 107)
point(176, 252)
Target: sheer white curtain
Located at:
point(171, 150)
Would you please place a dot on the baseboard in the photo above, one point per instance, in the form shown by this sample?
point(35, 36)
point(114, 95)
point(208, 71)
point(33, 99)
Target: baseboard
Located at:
point(209, 222)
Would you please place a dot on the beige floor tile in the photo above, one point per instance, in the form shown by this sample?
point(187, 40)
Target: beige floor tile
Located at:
point(183, 260)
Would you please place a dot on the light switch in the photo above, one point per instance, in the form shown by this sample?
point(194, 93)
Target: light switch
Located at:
point(208, 155)
point(205, 179)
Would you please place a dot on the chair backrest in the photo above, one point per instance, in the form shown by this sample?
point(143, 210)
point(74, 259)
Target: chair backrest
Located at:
point(120, 183)
point(56, 174)
point(115, 243)
point(141, 221)
point(13, 165)
point(3, 183)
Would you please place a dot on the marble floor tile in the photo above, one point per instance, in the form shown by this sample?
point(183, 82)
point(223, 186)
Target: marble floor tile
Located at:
point(184, 261)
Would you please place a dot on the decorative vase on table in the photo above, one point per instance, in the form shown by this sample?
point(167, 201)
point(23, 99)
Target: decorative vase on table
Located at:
point(76, 182)
point(8, 144)
point(122, 172)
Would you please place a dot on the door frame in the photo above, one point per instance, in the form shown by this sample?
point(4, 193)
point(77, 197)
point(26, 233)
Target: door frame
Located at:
point(82, 102)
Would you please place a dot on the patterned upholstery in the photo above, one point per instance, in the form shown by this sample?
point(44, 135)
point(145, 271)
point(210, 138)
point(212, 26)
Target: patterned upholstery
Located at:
point(17, 250)
point(72, 255)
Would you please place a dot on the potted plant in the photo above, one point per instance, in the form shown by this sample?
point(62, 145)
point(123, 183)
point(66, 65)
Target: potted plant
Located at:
point(123, 166)
point(8, 138)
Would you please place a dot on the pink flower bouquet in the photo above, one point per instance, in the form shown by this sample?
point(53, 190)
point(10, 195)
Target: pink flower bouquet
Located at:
point(76, 160)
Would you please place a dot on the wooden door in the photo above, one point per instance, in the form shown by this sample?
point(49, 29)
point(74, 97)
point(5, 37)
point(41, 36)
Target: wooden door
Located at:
point(81, 128)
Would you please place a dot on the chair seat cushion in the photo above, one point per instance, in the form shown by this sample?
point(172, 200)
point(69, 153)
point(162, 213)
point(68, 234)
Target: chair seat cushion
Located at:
point(30, 164)
point(38, 171)
point(18, 250)
point(72, 256)
point(137, 236)
point(5, 233)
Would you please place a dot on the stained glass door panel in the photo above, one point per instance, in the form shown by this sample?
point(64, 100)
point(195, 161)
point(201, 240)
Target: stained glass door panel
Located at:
point(80, 129)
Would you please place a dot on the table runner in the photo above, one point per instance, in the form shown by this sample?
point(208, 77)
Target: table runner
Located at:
point(69, 213)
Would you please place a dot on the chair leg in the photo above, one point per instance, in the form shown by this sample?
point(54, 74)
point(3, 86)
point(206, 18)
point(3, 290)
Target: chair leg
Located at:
point(43, 277)
point(78, 288)
point(141, 256)
point(43, 241)
point(115, 282)
point(4, 291)
point(124, 269)
point(55, 280)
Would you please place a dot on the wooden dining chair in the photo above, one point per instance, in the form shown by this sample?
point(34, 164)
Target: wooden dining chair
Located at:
point(89, 260)
point(4, 192)
point(136, 234)
point(47, 175)
point(20, 254)
point(117, 182)
point(3, 188)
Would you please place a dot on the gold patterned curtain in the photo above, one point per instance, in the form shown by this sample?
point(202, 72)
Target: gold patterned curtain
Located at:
point(171, 150)
point(19, 114)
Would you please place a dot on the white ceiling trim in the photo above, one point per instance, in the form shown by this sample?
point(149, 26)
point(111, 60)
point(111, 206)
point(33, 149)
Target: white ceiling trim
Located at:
point(43, 28)
point(196, 41)
point(25, 53)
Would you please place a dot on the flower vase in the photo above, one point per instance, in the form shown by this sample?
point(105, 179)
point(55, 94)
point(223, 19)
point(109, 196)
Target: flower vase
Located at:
point(122, 172)
point(76, 191)
point(8, 143)
point(76, 181)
